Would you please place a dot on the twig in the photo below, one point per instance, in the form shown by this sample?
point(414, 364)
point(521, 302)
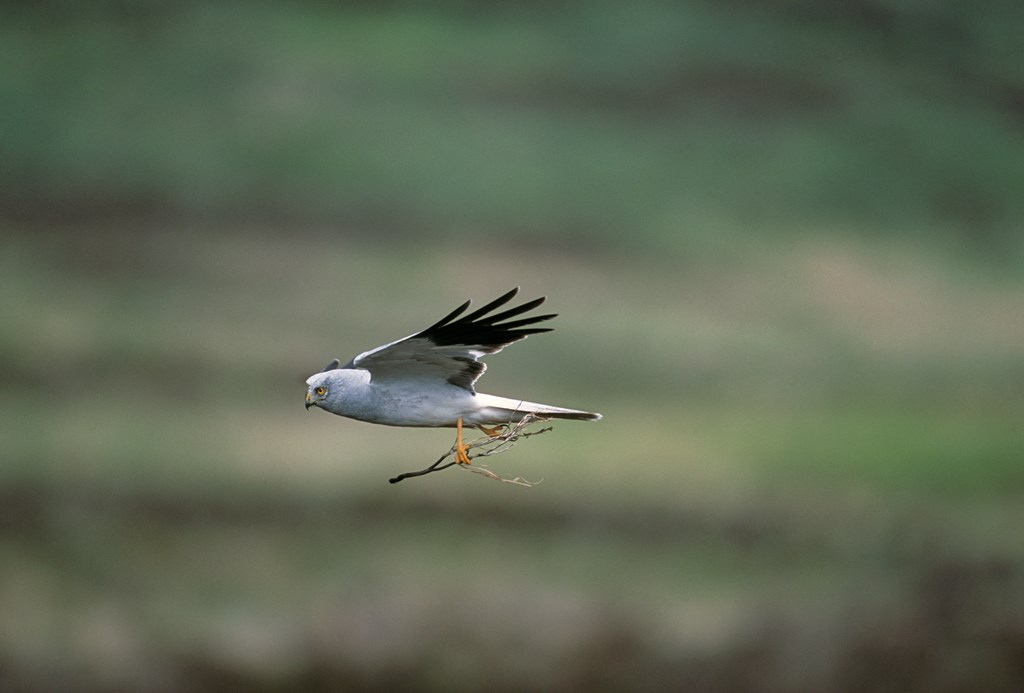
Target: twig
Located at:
point(518, 480)
point(490, 446)
point(428, 470)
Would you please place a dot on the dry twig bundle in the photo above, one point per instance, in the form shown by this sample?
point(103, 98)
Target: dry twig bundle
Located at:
point(487, 446)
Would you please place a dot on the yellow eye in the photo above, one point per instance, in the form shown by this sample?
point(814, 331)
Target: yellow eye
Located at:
point(321, 391)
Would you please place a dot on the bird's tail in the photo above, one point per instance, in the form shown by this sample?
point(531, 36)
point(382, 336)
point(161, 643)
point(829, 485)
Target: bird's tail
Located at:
point(503, 409)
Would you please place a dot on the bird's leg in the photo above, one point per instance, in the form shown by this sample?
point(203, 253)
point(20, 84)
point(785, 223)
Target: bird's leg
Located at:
point(460, 449)
point(492, 432)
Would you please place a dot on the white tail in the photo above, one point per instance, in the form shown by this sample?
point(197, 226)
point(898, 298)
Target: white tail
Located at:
point(503, 409)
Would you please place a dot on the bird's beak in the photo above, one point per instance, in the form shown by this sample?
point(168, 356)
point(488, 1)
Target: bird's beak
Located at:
point(309, 402)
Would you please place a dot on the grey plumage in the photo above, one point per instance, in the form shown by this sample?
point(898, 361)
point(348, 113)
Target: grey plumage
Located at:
point(429, 378)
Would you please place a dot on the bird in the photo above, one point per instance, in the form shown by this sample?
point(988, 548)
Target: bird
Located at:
point(428, 378)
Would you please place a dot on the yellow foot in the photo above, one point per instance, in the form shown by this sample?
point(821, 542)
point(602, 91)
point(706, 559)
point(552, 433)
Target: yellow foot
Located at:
point(492, 432)
point(461, 456)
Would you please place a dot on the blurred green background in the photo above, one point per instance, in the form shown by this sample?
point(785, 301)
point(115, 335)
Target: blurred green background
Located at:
point(785, 242)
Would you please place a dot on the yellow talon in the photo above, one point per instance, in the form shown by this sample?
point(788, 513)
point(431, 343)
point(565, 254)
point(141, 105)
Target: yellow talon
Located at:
point(492, 432)
point(460, 450)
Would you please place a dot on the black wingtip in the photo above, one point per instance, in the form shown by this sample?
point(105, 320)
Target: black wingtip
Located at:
point(527, 321)
point(448, 318)
point(333, 365)
point(496, 303)
point(512, 312)
point(484, 329)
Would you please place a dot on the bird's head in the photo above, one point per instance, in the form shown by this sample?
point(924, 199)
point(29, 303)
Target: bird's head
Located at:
point(317, 390)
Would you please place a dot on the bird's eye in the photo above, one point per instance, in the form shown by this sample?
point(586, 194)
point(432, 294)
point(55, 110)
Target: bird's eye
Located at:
point(321, 391)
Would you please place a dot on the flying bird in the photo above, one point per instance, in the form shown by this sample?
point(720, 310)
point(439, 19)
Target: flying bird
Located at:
point(427, 379)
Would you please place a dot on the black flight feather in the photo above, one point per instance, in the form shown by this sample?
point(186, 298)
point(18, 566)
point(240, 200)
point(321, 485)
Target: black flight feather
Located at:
point(496, 303)
point(448, 318)
point(478, 329)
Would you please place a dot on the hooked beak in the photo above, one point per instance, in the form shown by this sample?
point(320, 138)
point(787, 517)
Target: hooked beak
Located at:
point(309, 402)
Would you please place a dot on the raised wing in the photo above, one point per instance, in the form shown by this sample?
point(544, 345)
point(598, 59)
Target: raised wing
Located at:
point(450, 348)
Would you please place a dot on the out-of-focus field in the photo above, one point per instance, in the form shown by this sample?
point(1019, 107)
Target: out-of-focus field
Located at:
point(810, 462)
point(784, 244)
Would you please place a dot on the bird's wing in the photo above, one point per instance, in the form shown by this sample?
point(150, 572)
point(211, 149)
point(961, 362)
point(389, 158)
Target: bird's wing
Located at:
point(450, 348)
